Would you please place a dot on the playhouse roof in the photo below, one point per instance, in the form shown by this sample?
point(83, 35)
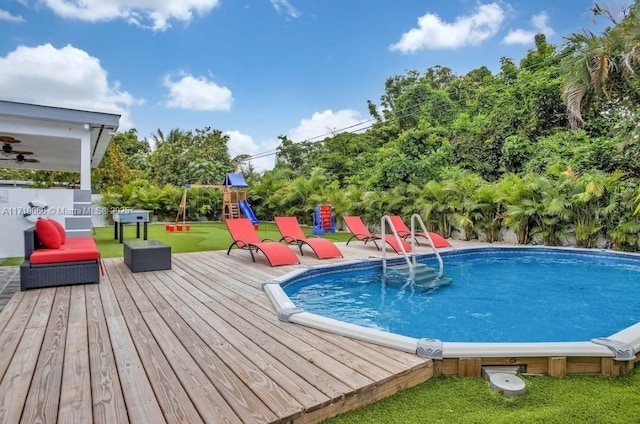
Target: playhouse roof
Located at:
point(235, 180)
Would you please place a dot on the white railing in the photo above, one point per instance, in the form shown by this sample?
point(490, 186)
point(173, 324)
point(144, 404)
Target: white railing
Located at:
point(383, 227)
point(415, 217)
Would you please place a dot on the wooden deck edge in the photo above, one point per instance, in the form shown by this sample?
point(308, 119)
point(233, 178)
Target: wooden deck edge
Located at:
point(373, 393)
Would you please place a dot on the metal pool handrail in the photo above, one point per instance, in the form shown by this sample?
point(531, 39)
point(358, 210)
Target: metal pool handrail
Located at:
point(387, 220)
point(415, 217)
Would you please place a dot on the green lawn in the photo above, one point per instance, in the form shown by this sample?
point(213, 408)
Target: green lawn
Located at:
point(202, 237)
point(574, 399)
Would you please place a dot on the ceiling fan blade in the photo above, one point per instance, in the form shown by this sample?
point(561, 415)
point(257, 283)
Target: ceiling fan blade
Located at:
point(8, 139)
point(31, 160)
point(21, 152)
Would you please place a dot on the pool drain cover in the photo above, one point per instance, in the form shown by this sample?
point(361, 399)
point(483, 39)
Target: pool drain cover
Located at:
point(506, 384)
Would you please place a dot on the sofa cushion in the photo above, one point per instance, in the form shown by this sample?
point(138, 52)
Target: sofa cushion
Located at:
point(81, 242)
point(61, 230)
point(48, 234)
point(63, 254)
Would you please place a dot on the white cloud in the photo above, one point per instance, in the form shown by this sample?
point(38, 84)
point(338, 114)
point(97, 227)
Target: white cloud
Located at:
point(66, 77)
point(242, 144)
point(197, 93)
point(7, 16)
point(286, 8)
point(327, 123)
point(433, 33)
point(154, 14)
point(540, 23)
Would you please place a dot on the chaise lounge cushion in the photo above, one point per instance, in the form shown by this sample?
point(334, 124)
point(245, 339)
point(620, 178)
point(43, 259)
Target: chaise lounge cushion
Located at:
point(75, 249)
point(48, 234)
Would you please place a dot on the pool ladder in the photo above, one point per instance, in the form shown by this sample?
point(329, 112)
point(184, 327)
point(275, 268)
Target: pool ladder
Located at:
point(412, 272)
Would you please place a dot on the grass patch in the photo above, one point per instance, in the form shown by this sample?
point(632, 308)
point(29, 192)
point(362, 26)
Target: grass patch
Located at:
point(574, 399)
point(12, 261)
point(203, 236)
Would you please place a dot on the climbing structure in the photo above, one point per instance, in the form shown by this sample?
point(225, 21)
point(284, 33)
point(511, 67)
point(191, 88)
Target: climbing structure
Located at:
point(234, 198)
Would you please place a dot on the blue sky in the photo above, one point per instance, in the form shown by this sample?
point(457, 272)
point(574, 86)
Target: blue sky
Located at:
point(255, 69)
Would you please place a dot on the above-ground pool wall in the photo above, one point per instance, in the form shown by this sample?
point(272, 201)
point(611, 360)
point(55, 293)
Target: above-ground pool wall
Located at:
point(612, 356)
point(557, 366)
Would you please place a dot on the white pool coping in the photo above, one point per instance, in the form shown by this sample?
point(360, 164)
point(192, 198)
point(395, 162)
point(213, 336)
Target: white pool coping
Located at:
point(627, 339)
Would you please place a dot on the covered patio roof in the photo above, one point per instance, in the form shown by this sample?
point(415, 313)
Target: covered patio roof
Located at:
point(55, 136)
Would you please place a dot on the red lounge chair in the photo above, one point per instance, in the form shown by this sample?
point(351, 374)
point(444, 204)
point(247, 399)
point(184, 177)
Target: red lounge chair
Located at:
point(245, 237)
point(404, 232)
point(292, 233)
point(362, 233)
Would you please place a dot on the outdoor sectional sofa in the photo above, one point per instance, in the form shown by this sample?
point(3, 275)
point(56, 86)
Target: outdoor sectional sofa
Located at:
point(75, 261)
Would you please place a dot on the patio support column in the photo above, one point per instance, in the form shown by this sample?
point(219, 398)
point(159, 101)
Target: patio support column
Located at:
point(85, 159)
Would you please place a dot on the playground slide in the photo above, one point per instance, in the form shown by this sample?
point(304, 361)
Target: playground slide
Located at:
point(246, 211)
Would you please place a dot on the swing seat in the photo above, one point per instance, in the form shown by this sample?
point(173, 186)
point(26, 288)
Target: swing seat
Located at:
point(169, 228)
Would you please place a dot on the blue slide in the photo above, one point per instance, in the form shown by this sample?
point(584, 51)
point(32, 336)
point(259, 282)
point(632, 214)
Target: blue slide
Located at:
point(246, 211)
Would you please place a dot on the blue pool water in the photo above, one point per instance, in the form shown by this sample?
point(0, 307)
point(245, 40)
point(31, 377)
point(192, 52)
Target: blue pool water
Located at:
point(497, 295)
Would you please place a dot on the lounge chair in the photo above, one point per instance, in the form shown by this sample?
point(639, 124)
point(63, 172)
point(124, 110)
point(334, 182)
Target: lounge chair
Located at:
point(362, 233)
point(293, 234)
point(245, 237)
point(404, 232)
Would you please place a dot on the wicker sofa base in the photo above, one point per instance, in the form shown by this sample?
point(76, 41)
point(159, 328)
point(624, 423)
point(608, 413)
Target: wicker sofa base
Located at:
point(62, 274)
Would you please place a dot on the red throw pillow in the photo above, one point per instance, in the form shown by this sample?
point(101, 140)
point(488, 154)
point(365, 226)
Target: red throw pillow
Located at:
point(60, 228)
point(48, 234)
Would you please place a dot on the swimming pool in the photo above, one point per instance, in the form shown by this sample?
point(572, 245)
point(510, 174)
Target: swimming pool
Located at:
point(497, 296)
point(605, 349)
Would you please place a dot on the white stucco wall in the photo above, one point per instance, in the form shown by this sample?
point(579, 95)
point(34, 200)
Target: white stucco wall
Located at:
point(14, 201)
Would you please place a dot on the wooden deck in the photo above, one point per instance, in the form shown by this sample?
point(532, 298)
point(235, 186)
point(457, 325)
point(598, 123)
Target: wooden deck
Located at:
point(198, 343)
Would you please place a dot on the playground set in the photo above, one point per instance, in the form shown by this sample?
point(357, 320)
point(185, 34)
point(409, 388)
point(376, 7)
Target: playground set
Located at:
point(235, 205)
point(234, 202)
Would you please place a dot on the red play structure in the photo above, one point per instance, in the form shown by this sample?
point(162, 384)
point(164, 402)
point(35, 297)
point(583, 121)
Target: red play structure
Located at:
point(323, 220)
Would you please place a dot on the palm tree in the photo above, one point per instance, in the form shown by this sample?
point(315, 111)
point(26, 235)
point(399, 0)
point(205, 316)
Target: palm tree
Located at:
point(466, 210)
point(436, 208)
point(520, 198)
point(489, 209)
point(602, 66)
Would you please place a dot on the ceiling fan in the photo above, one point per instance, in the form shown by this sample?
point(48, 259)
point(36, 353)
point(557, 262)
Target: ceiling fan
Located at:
point(8, 139)
point(7, 146)
point(21, 158)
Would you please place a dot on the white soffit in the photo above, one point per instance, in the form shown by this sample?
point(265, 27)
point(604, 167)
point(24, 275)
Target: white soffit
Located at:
point(54, 135)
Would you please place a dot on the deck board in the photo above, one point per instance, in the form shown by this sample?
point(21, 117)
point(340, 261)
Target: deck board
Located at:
point(108, 401)
point(171, 395)
point(44, 395)
point(233, 389)
point(9, 309)
point(197, 343)
point(75, 394)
